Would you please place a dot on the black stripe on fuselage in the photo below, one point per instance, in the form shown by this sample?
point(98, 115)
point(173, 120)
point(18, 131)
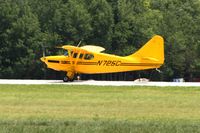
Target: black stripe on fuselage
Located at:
point(139, 64)
point(65, 62)
point(122, 64)
point(53, 61)
point(86, 63)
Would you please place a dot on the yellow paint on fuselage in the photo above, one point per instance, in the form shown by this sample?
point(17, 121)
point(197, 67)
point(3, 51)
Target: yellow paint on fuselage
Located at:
point(150, 56)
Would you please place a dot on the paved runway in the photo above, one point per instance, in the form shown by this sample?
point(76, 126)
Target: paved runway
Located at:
point(99, 83)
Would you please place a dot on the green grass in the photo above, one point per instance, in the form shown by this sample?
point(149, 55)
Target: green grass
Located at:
point(63, 108)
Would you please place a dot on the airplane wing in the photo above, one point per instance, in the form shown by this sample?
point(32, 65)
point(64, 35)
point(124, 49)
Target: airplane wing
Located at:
point(89, 48)
point(93, 48)
point(69, 47)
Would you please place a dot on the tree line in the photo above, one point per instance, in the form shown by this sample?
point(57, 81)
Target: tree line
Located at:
point(121, 26)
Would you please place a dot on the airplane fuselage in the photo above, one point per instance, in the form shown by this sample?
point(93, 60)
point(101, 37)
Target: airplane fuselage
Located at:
point(105, 63)
point(90, 59)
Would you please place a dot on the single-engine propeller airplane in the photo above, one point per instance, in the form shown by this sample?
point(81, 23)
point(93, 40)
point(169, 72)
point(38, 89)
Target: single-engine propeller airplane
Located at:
point(89, 59)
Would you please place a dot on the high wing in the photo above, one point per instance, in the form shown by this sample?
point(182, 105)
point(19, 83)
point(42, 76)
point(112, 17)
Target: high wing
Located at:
point(70, 47)
point(89, 48)
point(93, 48)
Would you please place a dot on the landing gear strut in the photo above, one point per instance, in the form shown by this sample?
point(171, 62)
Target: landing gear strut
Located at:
point(69, 77)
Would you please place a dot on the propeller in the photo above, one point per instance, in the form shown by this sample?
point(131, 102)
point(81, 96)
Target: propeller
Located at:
point(43, 60)
point(43, 53)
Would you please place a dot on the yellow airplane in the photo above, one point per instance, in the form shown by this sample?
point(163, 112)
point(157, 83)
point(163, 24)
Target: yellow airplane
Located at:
point(89, 59)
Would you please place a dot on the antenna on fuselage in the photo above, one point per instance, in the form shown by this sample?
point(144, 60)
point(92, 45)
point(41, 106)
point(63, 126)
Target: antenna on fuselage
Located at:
point(79, 43)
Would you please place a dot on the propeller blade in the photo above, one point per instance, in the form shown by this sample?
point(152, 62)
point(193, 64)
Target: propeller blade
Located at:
point(43, 52)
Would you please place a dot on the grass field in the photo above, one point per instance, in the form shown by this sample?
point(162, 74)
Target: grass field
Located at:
point(89, 109)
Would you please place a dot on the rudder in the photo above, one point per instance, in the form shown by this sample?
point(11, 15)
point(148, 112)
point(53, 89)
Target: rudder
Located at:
point(153, 50)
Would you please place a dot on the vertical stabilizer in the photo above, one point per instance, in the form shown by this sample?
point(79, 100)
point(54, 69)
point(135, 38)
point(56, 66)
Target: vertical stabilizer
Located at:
point(153, 50)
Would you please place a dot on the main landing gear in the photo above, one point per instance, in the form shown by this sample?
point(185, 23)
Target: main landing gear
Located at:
point(69, 77)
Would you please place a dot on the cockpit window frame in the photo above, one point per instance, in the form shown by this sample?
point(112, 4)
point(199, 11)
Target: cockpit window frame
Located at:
point(75, 55)
point(71, 53)
point(81, 55)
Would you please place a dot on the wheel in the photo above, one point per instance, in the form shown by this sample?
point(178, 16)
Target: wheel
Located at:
point(65, 79)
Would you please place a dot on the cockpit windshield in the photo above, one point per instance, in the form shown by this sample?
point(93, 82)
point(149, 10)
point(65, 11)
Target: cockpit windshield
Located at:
point(66, 53)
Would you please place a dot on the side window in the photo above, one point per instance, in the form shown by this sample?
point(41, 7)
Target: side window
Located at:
point(75, 55)
point(80, 56)
point(89, 56)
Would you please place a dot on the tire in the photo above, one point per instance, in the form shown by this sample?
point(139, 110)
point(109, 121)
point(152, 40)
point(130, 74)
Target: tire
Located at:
point(65, 79)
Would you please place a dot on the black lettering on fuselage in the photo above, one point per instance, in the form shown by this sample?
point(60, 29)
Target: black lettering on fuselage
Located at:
point(113, 63)
point(108, 63)
point(99, 63)
point(118, 63)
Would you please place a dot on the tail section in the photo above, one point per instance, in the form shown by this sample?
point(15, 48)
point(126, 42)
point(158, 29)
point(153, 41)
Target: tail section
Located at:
point(152, 51)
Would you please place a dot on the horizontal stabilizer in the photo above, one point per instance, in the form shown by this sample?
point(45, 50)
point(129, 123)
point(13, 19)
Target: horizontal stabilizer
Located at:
point(150, 59)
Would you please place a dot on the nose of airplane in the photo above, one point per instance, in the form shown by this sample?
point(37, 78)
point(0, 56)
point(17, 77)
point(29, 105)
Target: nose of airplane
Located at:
point(43, 59)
